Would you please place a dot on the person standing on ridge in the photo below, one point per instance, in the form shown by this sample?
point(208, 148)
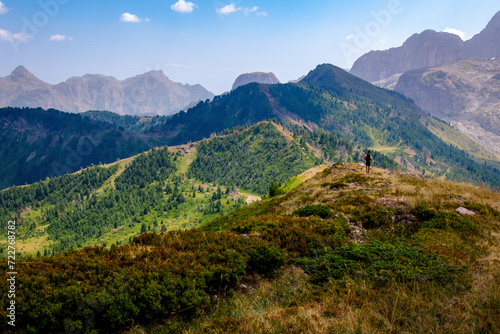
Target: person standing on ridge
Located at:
point(368, 161)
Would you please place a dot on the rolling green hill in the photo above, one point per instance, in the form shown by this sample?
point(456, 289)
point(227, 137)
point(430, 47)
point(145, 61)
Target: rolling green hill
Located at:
point(235, 159)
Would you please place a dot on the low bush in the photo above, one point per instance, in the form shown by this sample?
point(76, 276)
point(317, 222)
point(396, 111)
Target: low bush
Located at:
point(378, 216)
point(380, 262)
point(296, 236)
point(317, 210)
point(154, 277)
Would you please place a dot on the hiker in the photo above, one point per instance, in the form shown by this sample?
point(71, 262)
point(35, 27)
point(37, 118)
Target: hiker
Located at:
point(368, 161)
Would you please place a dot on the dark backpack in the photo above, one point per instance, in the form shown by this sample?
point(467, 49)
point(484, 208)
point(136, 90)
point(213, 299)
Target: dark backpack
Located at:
point(368, 157)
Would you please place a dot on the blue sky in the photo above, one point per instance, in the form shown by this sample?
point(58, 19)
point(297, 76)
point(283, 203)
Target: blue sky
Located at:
point(212, 42)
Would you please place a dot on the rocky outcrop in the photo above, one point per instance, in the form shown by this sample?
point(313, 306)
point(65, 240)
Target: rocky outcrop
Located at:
point(486, 44)
point(420, 50)
point(426, 49)
point(260, 77)
point(151, 93)
point(465, 93)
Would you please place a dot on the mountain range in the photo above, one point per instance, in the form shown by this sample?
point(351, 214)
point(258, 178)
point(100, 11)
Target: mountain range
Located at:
point(429, 48)
point(151, 93)
point(37, 143)
point(259, 216)
point(328, 100)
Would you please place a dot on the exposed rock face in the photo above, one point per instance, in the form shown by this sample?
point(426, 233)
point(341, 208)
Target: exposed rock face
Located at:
point(260, 77)
point(426, 49)
point(429, 48)
point(486, 44)
point(465, 93)
point(151, 93)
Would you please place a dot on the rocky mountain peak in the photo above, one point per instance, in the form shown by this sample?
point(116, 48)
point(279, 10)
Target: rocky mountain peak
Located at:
point(260, 77)
point(429, 48)
point(21, 72)
point(22, 79)
point(486, 44)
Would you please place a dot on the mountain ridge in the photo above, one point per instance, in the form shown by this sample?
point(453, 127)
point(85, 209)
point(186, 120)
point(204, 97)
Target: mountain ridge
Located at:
point(332, 100)
point(150, 93)
point(428, 48)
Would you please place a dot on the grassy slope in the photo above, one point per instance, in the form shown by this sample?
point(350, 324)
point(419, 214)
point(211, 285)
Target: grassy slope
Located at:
point(291, 304)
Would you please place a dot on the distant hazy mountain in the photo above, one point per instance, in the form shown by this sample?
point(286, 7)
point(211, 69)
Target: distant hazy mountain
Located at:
point(151, 93)
point(426, 49)
point(259, 77)
point(465, 93)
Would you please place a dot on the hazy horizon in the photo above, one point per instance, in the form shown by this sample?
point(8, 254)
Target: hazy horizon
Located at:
point(211, 43)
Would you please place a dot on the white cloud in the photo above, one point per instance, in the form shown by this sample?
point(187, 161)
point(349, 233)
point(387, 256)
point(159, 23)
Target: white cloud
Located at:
point(8, 36)
point(182, 6)
point(131, 18)
point(60, 38)
point(231, 9)
point(3, 9)
point(349, 37)
point(457, 32)
point(228, 9)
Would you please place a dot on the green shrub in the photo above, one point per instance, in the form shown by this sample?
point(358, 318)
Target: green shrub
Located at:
point(381, 262)
point(265, 260)
point(275, 189)
point(378, 216)
point(451, 220)
point(296, 236)
point(353, 199)
point(152, 278)
point(317, 210)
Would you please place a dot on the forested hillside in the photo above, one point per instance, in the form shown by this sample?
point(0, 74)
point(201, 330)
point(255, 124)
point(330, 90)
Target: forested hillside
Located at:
point(129, 123)
point(251, 159)
point(37, 143)
point(108, 205)
point(163, 189)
